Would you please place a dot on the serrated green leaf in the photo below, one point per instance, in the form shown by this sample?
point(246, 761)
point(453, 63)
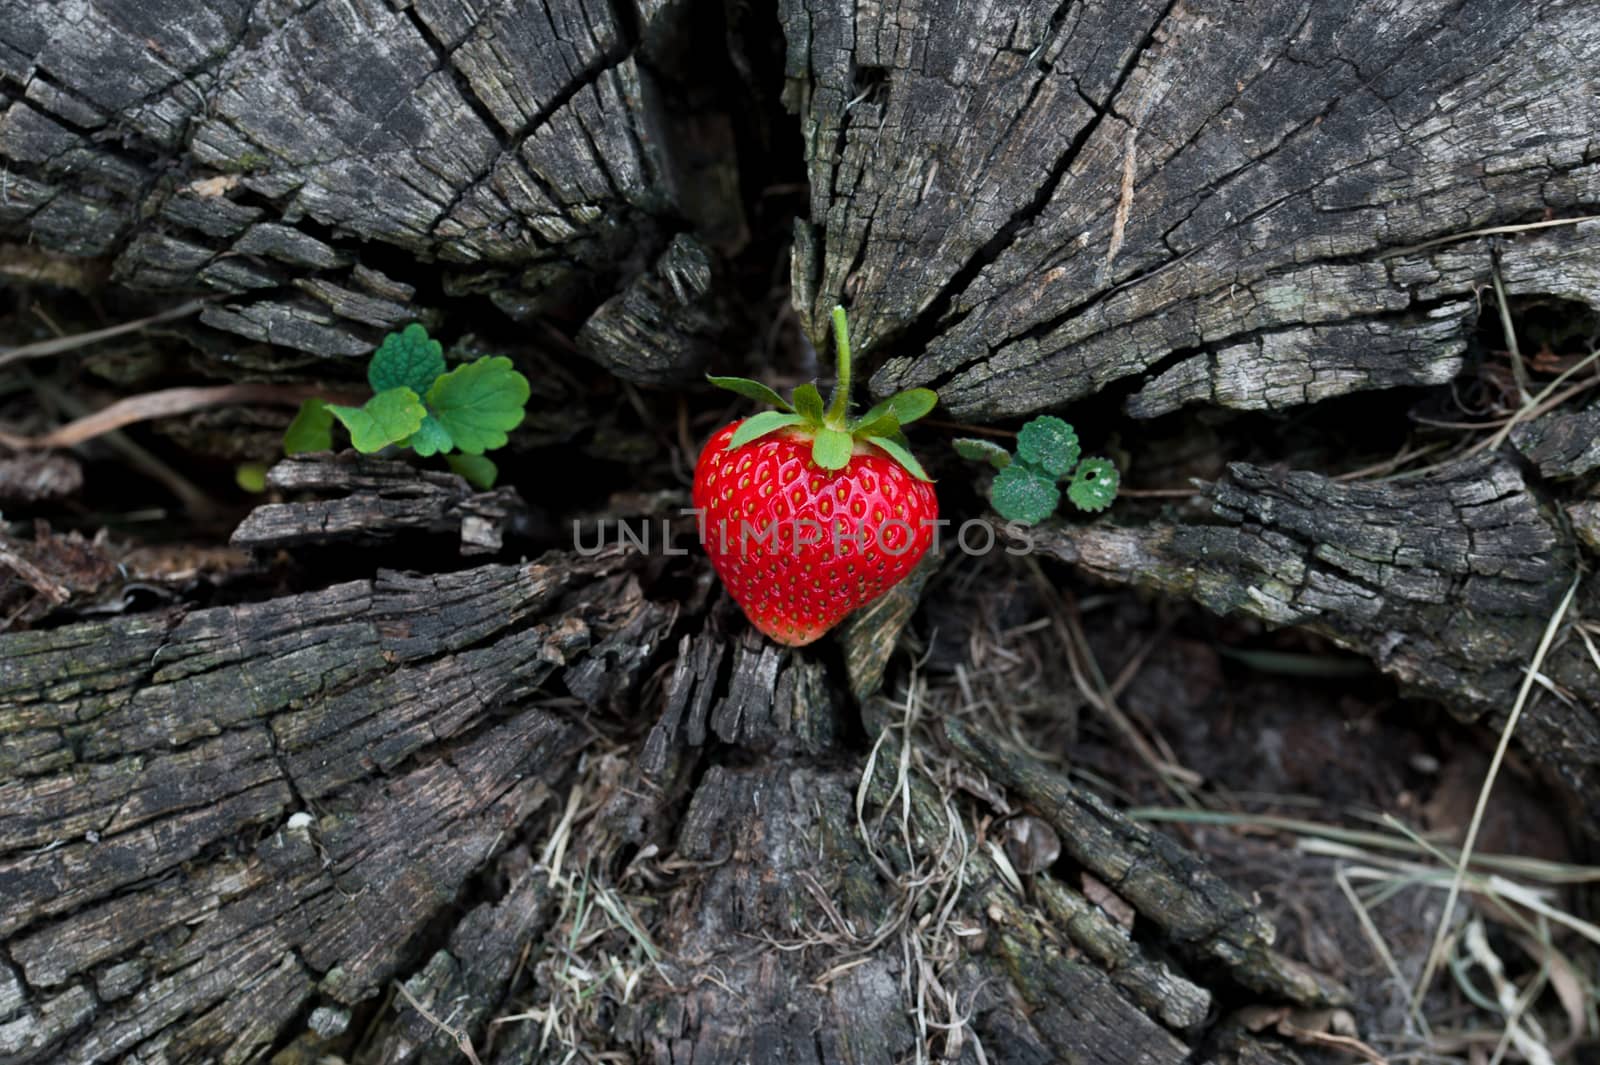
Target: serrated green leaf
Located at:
point(808, 402)
point(431, 439)
point(1021, 494)
point(311, 430)
point(902, 456)
point(983, 451)
point(912, 404)
point(387, 418)
point(751, 390)
point(1094, 484)
point(758, 425)
point(407, 359)
point(479, 471)
point(832, 449)
point(479, 403)
point(1050, 444)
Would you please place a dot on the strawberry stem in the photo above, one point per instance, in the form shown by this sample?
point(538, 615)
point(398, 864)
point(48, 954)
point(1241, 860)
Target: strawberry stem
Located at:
point(839, 408)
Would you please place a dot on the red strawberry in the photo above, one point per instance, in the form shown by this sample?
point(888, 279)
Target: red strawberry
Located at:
point(808, 515)
point(772, 517)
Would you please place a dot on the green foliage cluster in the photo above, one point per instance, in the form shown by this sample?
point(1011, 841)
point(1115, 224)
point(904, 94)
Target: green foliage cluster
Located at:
point(1025, 489)
point(417, 403)
point(833, 432)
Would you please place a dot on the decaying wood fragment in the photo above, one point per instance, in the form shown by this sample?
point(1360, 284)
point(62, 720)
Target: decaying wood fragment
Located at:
point(379, 498)
point(1445, 580)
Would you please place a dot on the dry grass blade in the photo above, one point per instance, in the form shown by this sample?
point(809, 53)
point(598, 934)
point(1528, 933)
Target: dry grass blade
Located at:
point(1403, 840)
point(1381, 948)
point(1488, 231)
point(462, 1040)
point(162, 404)
point(1080, 660)
point(931, 884)
point(60, 345)
point(1519, 369)
point(1435, 953)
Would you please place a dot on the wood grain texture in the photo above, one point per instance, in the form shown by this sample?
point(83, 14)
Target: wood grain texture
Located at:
point(375, 499)
point(269, 151)
point(227, 831)
point(1446, 581)
point(969, 201)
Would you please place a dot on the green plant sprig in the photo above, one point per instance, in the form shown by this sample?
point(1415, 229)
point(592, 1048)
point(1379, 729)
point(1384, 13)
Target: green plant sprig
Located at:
point(834, 432)
point(417, 403)
point(1047, 452)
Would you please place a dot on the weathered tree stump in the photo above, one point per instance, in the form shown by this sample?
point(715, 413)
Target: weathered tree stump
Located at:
point(575, 800)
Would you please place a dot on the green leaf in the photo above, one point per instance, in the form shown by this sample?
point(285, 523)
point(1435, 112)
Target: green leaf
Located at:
point(478, 470)
point(387, 418)
point(407, 359)
point(479, 403)
point(876, 411)
point(758, 425)
point(912, 404)
point(431, 439)
point(1050, 444)
point(808, 401)
point(311, 430)
point(751, 390)
point(902, 456)
point(983, 451)
point(251, 476)
point(832, 449)
point(1094, 484)
point(1020, 494)
point(884, 424)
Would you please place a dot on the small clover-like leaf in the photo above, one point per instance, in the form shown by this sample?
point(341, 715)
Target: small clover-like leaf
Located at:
point(431, 439)
point(751, 390)
point(901, 455)
point(808, 402)
point(479, 403)
point(1094, 484)
point(758, 425)
point(1050, 444)
point(912, 404)
point(479, 471)
point(983, 451)
point(387, 418)
point(832, 449)
point(311, 430)
point(1022, 494)
point(407, 359)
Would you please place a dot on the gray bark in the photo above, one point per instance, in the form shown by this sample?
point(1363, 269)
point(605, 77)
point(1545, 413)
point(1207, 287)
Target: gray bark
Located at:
point(1446, 581)
point(294, 157)
point(1024, 206)
point(240, 829)
point(237, 829)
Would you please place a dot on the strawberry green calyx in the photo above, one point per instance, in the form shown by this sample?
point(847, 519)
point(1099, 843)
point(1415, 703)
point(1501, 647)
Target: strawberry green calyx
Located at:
point(835, 435)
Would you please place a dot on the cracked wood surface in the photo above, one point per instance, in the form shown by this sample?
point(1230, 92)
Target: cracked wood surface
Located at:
point(1446, 581)
point(233, 830)
point(1029, 203)
point(160, 898)
point(1192, 202)
point(378, 498)
point(292, 157)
